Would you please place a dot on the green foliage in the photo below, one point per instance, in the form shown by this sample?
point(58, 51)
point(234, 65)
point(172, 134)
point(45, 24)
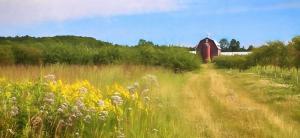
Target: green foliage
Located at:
point(224, 44)
point(178, 60)
point(143, 42)
point(274, 59)
point(234, 45)
point(274, 53)
point(6, 56)
point(250, 48)
point(107, 55)
point(239, 62)
point(89, 51)
point(27, 55)
point(295, 45)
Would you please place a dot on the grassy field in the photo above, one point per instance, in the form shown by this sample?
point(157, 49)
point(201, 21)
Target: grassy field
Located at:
point(206, 103)
point(234, 104)
point(163, 118)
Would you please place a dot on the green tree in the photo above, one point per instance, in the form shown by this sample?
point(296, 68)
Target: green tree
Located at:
point(242, 49)
point(250, 48)
point(27, 55)
point(296, 45)
point(224, 44)
point(143, 42)
point(234, 45)
point(6, 55)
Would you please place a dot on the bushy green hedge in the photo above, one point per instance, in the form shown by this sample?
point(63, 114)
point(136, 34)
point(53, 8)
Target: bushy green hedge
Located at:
point(88, 51)
point(27, 55)
point(228, 62)
point(274, 53)
point(6, 56)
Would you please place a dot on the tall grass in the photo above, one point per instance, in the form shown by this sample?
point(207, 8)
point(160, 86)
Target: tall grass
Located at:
point(161, 118)
point(285, 75)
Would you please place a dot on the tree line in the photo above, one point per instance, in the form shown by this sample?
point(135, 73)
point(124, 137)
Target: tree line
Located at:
point(233, 46)
point(28, 50)
point(274, 53)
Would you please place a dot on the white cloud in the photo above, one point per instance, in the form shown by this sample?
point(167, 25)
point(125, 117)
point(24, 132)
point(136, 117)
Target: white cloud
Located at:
point(32, 11)
point(260, 8)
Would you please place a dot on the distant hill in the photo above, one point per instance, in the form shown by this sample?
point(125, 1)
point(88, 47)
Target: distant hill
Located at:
point(67, 40)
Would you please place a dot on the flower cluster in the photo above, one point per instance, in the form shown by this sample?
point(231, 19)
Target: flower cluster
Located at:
point(69, 107)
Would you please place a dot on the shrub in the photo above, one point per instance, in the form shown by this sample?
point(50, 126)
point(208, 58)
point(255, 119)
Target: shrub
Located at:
point(179, 60)
point(239, 62)
point(84, 50)
point(27, 55)
point(6, 56)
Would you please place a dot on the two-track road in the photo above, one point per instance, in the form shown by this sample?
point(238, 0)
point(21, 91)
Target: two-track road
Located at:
point(216, 104)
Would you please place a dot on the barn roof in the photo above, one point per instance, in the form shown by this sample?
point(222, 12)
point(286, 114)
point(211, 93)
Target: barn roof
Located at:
point(216, 42)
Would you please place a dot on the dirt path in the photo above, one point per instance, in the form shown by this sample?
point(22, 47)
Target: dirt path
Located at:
point(216, 107)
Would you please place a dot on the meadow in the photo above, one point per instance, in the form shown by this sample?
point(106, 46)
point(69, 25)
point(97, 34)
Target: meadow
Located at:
point(71, 86)
point(145, 91)
point(142, 101)
point(91, 101)
point(274, 59)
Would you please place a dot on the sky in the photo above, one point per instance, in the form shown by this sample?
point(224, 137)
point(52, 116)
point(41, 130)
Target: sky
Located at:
point(168, 22)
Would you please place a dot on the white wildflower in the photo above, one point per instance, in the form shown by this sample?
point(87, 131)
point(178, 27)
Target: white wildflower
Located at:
point(87, 119)
point(101, 103)
point(136, 84)
point(50, 77)
point(78, 114)
point(117, 100)
point(131, 89)
point(69, 124)
point(11, 131)
point(13, 99)
point(83, 90)
point(120, 134)
point(71, 118)
point(42, 108)
point(77, 134)
point(155, 130)
point(64, 106)
point(76, 111)
point(14, 111)
point(60, 110)
point(49, 101)
point(103, 115)
point(146, 98)
point(49, 98)
point(145, 91)
point(80, 104)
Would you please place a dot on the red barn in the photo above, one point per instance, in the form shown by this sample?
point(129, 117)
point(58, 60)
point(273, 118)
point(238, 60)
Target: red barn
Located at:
point(207, 49)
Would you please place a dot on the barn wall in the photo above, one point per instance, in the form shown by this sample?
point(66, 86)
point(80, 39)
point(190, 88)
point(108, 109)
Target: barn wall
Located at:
point(207, 54)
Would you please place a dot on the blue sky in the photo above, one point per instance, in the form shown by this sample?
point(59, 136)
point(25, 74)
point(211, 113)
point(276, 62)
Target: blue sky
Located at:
point(182, 22)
